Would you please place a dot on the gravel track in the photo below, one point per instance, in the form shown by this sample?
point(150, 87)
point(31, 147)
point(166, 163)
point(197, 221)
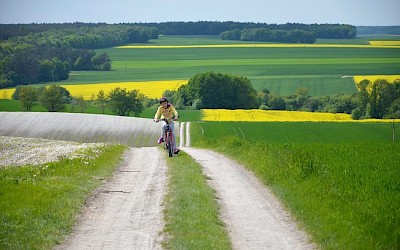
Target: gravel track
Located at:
point(17, 151)
point(254, 217)
point(126, 212)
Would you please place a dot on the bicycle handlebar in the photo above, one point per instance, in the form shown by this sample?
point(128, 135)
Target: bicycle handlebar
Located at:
point(166, 120)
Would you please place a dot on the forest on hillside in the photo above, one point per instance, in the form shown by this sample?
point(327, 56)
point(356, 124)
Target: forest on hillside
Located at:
point(33, 53)
point(333, 31)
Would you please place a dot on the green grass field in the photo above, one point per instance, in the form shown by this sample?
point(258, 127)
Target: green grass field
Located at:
point(39, 204)
point(345, 195)
point(282, 70)
point(300, 132)
point(339, 180)
point(15, 106)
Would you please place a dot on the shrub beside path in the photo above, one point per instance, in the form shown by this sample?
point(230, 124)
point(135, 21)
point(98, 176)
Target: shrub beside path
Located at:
point(254, 217)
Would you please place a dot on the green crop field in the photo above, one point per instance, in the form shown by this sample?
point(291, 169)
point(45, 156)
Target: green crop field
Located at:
point(280, 69)
point(300, 132)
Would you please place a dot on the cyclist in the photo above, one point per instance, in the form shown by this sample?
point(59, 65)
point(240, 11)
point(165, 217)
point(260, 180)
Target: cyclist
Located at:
point(168, 112)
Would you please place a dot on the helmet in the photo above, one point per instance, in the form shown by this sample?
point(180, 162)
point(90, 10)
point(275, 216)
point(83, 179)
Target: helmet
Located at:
point(163, 99)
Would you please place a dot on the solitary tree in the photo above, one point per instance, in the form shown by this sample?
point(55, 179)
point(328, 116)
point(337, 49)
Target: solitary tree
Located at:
point(123, 102)
point(102, 100)
point(217, 90)
point(28, 97)
point(54, 98)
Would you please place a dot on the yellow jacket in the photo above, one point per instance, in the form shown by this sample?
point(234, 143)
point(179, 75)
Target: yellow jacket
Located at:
point(167, 113)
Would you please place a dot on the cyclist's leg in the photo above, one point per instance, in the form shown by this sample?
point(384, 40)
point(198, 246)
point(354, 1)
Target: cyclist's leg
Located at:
point(162, 135)
point(173, 134)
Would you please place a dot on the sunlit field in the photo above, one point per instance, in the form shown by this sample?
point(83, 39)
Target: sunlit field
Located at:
point(153, 89)
point(257, 115)
point(385, 43)
point(280, 68)
point(373, 78)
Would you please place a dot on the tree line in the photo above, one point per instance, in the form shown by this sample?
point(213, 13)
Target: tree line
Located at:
point(210, 90)
point(370, 30)
point(330, 31)
point(213, 90)
point(55, 98)
point(267, 35)
point(378, 99)
point(50, 51)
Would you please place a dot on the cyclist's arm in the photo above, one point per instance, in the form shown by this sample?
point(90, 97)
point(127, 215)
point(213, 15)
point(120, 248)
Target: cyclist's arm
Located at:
point(175, 113)
point(158, 113)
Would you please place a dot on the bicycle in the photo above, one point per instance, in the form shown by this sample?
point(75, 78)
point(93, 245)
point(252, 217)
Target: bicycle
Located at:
point(169, 139)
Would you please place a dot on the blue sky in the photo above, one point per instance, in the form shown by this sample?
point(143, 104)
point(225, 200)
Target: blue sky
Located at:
point(354, 12)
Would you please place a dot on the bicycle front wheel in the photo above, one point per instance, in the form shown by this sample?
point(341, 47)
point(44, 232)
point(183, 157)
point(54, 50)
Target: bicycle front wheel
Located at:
point(170, 151)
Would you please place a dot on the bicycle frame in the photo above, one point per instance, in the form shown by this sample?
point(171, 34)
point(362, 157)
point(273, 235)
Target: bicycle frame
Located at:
point(169, 139)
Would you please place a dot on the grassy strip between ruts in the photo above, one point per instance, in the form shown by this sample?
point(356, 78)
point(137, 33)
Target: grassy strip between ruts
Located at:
point(39, 204)
point(346, 195)
point(191, 212)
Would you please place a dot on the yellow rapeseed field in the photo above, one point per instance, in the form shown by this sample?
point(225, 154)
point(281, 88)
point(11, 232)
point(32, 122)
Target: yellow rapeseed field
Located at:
point(153, 89)
point(373, 78)
point(257, 115)
point(385, 43)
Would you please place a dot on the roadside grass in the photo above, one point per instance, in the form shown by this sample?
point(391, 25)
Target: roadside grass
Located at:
point(191, 212)
point(345, 194)
point(39, 204)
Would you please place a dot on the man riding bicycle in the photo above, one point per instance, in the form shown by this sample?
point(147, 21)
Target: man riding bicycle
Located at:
point(167, 112)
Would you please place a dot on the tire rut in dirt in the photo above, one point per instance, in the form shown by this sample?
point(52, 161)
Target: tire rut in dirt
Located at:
point(254, 217)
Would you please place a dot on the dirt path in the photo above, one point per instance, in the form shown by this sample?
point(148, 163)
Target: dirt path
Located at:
point(254, 217)
point(125, 213)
